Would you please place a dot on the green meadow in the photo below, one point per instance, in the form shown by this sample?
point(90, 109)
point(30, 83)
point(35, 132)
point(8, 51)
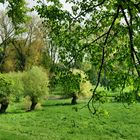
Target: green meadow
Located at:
point(57, 120)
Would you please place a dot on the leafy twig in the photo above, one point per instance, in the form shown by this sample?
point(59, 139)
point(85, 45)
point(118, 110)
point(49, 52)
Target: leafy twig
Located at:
point(101, 66)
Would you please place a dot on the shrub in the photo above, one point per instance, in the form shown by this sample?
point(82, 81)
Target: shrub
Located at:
point(128, 97)
point(75, 84)
point(85, 85)
point(35, 83)
point(18, 89)
point(6, 88)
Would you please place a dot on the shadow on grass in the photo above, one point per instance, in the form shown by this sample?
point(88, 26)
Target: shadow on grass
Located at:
point(57, 104)
point(13, 112)
point(17, 111)
point(60, 104)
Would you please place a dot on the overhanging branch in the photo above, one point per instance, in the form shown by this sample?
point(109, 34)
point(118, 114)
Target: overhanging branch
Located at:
point(101, 66)
point(89, 9)
point(130, 30)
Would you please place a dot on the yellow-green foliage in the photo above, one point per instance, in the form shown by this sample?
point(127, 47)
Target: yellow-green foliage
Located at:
point(85, 85)
point(26, 104)
point(35, 82)
point(18, 89)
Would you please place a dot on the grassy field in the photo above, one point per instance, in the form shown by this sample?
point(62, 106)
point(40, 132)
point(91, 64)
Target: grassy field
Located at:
point(56, 121)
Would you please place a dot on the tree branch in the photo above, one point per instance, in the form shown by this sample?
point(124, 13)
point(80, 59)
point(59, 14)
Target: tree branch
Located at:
point(101, 66)
point(137, 6)
point(130, 30)
point(89, 9)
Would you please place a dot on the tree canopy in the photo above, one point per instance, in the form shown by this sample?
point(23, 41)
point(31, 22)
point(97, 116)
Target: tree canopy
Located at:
point(17, 10)
point(104, 32)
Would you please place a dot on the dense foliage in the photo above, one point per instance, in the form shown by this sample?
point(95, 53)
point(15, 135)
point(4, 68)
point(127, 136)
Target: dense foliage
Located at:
point(35, 82)
point(18, 89)
point(85, 86)
point(101, 32)
point(6, 86)
point(74, 84)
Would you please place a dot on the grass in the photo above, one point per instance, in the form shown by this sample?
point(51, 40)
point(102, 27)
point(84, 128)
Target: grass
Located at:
point(57, 120)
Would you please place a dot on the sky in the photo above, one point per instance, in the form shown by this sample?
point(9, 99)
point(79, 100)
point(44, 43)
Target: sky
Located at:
point(2, 6)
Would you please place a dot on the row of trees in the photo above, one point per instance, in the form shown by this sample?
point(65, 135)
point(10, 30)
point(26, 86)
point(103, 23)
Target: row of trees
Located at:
point(35, 84)
point(31, 46)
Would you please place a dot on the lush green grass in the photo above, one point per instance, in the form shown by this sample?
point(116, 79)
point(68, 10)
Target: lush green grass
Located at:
point(56, 121)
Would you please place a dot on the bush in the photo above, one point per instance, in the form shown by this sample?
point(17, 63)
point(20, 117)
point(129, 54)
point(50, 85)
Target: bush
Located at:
point(85, 85)
point(6, 88)
point(6, 85)
point(127, 97)
point(35, 83)
point(18, 89)
point(75, 84)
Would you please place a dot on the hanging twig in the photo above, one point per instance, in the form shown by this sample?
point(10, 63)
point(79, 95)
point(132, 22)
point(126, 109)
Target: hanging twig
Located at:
point(93, 110)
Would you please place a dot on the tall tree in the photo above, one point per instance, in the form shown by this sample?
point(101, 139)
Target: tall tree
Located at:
point(98, 27)
point(17, 13)
point(28, 45)
point(6, 33)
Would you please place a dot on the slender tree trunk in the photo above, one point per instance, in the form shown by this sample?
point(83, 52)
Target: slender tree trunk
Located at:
point(33, 104)
point(4, 105)
point(74, 100)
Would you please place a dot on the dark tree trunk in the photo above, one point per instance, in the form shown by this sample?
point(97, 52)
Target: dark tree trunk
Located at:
point(33, 104)
point(4, 105)
point(74, 100)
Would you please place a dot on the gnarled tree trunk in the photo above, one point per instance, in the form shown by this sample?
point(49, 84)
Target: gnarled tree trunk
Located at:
point(4, 105)
point(74, 99)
